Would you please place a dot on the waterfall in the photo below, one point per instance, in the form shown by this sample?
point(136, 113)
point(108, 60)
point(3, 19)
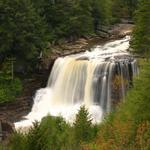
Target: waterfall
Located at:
point(88, 79)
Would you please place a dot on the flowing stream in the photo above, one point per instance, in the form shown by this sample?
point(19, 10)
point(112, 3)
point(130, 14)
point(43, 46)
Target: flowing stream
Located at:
point(97, 79)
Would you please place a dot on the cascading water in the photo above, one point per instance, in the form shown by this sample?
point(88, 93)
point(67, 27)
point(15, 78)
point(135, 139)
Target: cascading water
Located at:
point(86, 78)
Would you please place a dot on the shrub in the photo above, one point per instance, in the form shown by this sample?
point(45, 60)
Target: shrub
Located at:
point(9, 90)
point(17, 141)
point(53, 133)
point(9, 87)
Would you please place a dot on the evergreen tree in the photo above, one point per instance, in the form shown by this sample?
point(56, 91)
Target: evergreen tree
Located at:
point(73, 18)
point(131, 5)
point(141, 35)
point(81, 21)
point(56, 13)
point(83, 126)
point(123, 9)
point(51, 134)
point(22, 31)
point(101, 13)
point(10, 87)
point(119, 10)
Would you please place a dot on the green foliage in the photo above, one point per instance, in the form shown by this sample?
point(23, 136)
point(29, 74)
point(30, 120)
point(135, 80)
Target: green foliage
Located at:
point(129, 125)
point(81, 19)
point(74, 18)
point(131, 6)
point(83, 126)
point(9, 88)
point(138, 97)
point(50, 134)
point(6, 70)
point(53, 133)
point(123, 9)
point(2, 147)
point(18, 141)
point(119, 10)
point(60, 9)
point(101, 13)
point(141, 35)
point(23, 33)
point(26, 26)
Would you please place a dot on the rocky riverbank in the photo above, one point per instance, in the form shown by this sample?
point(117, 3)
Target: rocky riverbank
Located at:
point(63, 49)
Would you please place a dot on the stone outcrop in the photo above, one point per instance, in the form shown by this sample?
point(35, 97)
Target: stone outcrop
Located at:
point(6, 128)
point(121, 30)
point(83, 44)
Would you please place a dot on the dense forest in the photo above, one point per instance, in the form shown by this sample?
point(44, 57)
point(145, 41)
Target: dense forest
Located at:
point(29, 28)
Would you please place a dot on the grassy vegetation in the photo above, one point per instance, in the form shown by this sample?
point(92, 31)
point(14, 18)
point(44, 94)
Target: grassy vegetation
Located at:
point(128, 127)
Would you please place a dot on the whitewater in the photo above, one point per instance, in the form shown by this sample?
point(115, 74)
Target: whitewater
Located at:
point(83, 79)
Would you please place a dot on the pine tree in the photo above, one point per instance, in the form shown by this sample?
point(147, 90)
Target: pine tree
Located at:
point(83, 126)
point(101, 13)
point(141, 35)
point(22, 31)
point(131, 5)
point(81, 21)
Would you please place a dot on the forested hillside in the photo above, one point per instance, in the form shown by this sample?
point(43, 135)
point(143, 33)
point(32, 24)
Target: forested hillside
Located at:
point(28, 31)
point(141, 34)
point(28, 26)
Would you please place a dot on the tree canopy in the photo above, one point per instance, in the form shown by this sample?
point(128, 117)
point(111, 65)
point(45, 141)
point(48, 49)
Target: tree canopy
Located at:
point(26, 26)
point(22, 30)
point(141, 35)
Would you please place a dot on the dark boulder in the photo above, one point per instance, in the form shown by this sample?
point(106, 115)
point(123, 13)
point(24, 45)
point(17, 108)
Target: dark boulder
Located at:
point(6, 128)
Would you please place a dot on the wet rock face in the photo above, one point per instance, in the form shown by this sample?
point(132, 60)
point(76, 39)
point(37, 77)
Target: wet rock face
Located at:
point(81, 45)
point(124, 79)
point(15, 110)
point(6, 129)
